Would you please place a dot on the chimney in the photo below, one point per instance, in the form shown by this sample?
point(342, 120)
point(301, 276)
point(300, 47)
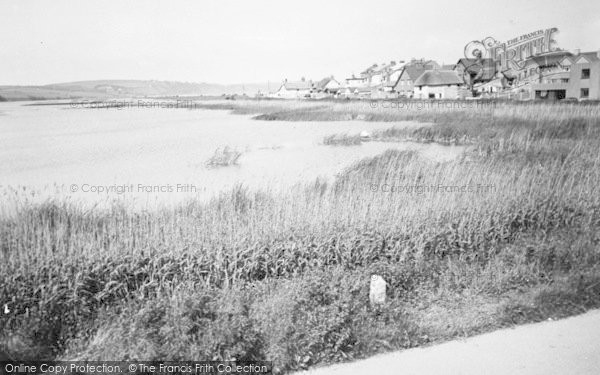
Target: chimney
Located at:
point(303, 79)
point(576, 52)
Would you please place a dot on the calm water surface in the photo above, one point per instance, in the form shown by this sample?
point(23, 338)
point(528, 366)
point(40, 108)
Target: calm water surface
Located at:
point(58, 149)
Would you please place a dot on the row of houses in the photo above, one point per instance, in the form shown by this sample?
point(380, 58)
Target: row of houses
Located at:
point(305, 89)
point(396, 80)
point(555, 75)
point(391, 80)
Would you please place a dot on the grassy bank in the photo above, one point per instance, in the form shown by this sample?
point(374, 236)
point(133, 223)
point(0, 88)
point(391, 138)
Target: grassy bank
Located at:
point(506, 235)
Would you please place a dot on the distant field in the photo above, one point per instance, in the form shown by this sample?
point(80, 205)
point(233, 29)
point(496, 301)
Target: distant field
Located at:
point(106, 89)
point(507, 234)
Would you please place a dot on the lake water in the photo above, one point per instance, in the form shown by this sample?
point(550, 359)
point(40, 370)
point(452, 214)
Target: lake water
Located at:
point(78, 151)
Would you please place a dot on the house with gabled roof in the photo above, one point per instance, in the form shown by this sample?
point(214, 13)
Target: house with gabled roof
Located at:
point(376, 76)
point(391, 77)
point(381, 74)
point(328, 85)
point(440, 84)
point(294, 90)
point(404, 85)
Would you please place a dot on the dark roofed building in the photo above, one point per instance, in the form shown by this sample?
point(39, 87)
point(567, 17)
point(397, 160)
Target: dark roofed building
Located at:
point(475, 71)
point(328, 85)
point(414, 72)
point(404, 86)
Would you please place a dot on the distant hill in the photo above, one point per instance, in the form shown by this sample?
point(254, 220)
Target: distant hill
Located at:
point(126, 88)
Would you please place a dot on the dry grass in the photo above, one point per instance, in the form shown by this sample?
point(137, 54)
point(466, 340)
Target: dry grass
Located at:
point(284, 277)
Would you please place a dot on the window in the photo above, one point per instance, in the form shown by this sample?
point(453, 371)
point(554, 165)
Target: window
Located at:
point(585, 73)
point(585, 93)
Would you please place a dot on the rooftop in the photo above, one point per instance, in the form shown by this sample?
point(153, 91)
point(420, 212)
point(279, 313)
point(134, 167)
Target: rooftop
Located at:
point(550, 59)
point(591, 56)
point(439, 78)
point(322, 83)
point(299, 85)
point(413, 71)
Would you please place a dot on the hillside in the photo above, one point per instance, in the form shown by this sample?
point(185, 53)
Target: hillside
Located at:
point(125, 88)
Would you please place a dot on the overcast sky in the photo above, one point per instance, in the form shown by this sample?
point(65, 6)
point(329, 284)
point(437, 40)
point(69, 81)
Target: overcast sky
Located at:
point(257, 41)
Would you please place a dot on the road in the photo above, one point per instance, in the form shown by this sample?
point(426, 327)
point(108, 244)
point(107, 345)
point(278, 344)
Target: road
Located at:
point(566, 347)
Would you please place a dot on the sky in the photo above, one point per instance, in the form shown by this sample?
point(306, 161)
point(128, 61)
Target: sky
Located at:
point(257, 41)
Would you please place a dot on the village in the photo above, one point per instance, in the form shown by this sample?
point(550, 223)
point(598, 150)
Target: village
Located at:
point(542, 74)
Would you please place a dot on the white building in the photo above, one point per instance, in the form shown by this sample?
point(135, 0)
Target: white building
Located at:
point(439, 84)
point(328, 85)
point(294, 90)
point(356, 81)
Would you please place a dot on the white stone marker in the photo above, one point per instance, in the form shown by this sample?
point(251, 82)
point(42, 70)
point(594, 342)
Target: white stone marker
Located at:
point(377, 292)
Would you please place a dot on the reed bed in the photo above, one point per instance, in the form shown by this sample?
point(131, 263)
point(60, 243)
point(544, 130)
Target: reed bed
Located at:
point(343, 140)
point(223, 157)
point(506, 234)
